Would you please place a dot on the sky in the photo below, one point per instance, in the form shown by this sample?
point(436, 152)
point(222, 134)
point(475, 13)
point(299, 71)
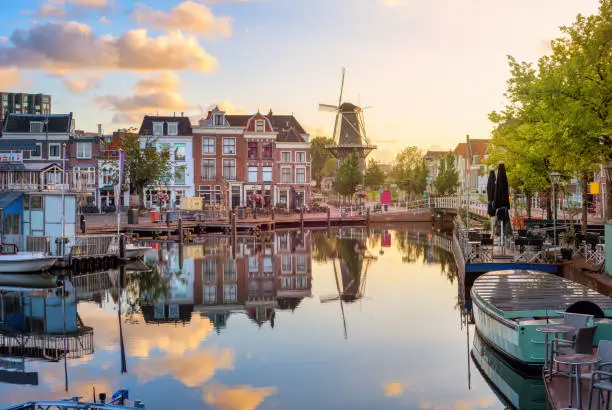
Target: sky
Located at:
point(430, 71)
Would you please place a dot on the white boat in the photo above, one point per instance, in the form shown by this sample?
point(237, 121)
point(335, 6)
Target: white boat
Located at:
point(133, 251)
point(26, 262)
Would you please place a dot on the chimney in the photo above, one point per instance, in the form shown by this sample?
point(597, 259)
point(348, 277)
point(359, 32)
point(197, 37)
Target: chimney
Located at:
point(270, 113)
point(174, 114)
point(182, 113)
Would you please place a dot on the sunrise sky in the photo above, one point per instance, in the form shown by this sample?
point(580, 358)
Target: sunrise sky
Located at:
point(430, 70)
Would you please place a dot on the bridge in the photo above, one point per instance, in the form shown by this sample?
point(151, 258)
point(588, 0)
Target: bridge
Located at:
point(447, 203)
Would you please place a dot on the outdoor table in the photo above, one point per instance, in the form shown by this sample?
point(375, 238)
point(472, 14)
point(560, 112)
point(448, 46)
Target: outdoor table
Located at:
point(576, 361)
point(555, 330)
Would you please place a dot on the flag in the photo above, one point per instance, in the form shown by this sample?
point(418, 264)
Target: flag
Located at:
point(118, 189)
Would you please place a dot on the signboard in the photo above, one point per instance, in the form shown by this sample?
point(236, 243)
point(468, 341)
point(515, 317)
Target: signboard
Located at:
point(192, 203)
point(11, 157)
point(594, 188)
point(11, 364)
point(385, 198)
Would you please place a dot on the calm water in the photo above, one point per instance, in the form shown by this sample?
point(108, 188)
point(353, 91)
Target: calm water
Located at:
point(267, 329)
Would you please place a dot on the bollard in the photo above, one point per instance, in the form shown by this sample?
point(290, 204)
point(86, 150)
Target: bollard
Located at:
point(368, 218)
point(302, 218)
point(180, 230)
point(122, 244)
point(234, 232)
point(272, 213)
point(328, 218)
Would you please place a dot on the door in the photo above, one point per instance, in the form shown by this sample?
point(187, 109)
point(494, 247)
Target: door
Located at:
point(235, 197)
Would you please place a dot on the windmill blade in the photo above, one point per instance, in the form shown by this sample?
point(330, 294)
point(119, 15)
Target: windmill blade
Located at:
point(341, 86)
point(339, 104)
point(327, 107)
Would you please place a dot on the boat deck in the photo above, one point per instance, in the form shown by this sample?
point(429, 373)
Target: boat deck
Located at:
point(557, 391)
point(514, 292)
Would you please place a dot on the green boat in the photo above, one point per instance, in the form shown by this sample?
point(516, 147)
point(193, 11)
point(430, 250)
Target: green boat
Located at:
point(510, 305)
point(520, 390)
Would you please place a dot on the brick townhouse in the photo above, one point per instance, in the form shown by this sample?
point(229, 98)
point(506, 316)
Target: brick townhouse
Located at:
point(241, 157)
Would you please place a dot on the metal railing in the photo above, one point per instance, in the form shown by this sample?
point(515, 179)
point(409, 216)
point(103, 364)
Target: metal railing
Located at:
point(48, 346)
point(93, 246)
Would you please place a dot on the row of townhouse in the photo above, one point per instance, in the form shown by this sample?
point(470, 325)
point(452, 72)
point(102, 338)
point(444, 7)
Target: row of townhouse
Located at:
point(230, 160)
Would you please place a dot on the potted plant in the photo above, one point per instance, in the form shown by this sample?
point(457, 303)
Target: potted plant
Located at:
point(567, 239)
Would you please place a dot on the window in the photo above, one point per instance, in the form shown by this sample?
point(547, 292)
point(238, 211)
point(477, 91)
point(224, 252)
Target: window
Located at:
point(36, 202)
point(36, 126)
point(159, 311)
point(217, 120)
point(83, 177)
point(179, 152)
point(300, 175)
point(107, 176)
point(301, 282)
point(266, 150)
point(286, 156)
point(209, 271)
point(229, 146)
point(260, 126)
point(229, 293)
point(211, 196)
point(164, 148)
point(11, 224)
point(300, 156)
point(300, 263)
point(83, 150)
point(252, 150)
point(173, 128)
point(37, 153)
point(253, 264)
point(286, 262)
point(229, 271)
point(252, 175)
point(282, 198)
point(209, 171)
point(266, 174)
point(286, 282)
point(158, 128)
point(229, 169)
point(285, 175)
point(267, 263)
point(54, 151)
point(208, 145)
point(283, 241)
point(210, 293)
point(179, 175)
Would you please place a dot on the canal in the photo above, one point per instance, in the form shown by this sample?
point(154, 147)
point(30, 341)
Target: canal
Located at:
point(296, 320)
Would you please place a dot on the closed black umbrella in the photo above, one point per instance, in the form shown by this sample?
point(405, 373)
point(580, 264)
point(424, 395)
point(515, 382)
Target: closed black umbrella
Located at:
point(491, 194)
point(502, 194)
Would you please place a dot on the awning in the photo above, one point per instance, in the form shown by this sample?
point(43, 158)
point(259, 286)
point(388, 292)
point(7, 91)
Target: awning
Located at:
point(107, 188)
point(17, 144)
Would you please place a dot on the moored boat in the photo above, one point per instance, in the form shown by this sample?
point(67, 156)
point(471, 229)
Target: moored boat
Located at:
point(119, 400)
point(510, 305)
point(26, 262)
point(133, 251)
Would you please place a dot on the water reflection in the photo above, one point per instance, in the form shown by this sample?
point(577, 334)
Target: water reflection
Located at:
point(266, 327)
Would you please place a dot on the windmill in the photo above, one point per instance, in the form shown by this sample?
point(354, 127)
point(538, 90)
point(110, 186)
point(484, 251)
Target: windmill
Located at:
point(349, 129)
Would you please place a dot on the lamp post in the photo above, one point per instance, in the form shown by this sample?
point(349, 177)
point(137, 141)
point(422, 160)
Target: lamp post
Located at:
point(608, 169)
point(555, 177)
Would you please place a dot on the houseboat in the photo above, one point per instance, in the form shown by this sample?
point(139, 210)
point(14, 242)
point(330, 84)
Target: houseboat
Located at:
point(509, 306)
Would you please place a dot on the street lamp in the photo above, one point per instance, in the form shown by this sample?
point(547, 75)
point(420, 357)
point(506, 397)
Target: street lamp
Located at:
point(608, 169)
point(555, 177)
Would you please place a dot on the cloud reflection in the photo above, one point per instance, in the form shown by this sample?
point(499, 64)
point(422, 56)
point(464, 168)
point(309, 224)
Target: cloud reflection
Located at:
point(393, 389)
point(236, 397)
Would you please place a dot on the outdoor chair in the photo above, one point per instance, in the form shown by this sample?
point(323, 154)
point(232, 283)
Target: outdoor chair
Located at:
point(601, 377)
point(582, 344)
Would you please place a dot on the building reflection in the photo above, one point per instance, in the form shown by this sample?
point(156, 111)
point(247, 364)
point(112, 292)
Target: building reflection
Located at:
point(266, 274)
point(39, 323)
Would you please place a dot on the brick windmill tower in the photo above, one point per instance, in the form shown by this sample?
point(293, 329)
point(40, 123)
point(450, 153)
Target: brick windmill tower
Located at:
point(349, 130)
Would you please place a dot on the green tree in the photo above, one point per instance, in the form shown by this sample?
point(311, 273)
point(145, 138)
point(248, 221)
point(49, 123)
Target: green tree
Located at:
point(323, 164)
point(410, 171)
point(348, 176)
point(374, 175)
point(447, 180)
point(145, 166)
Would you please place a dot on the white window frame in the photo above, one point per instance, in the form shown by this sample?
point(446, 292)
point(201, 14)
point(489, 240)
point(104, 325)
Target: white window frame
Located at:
point(176, 147)
point(296, 174)
point(230, 293)
point(301, 282)
point(176, 169)
point(260, 126)
point(253, 264)
point(230, 178)
point(214, 145)
point(301, 264)
point(59, 150)
point(283, 154)
point(286, 282)
point(214, 176)
point(157, 125)
point(263, 173)
point(83, 155)
point(299, 153)
point(281, 175)
point(210, 294)
point(37, 123)
point(173, 128)
point(249, 169)
point(227, 152)
point(284, 257)
point(32, 156)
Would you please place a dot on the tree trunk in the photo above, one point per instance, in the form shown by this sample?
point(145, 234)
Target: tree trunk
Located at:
point(585, 205)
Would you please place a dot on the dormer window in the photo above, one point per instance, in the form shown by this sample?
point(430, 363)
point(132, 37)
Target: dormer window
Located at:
point(218, 120)
point(36, 126)
point(260, 126)
point(173, 128)
point(158, 128)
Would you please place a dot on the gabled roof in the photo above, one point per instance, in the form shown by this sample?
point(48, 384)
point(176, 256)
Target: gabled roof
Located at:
point(479, 146)
point(461, 149)
point(8, 198)
point(435, 154)
point(58, 123)
point(16, 144)
point(287, 127)
point(184, 124)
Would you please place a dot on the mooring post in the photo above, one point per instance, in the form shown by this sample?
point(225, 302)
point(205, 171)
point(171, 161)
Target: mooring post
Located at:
point(368, 218)
point(328, 218)
point(234, 231)
point(273, 214)
point(180, 230)
point(302, 217)
point(122, 246)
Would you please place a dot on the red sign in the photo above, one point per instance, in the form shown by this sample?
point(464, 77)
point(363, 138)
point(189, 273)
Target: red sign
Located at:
point(385, 240)
point(385, 198)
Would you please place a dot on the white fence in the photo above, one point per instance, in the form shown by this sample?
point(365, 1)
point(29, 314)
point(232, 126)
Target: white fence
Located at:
point(448, 202)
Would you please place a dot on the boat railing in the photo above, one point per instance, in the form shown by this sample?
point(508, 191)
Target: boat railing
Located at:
point(74, 404)
point(85, 246)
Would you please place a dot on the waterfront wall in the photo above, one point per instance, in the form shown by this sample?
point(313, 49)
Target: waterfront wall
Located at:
point(608, 236)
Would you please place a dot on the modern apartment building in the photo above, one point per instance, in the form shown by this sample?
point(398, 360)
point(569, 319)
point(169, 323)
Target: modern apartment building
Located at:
point(23, 103)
